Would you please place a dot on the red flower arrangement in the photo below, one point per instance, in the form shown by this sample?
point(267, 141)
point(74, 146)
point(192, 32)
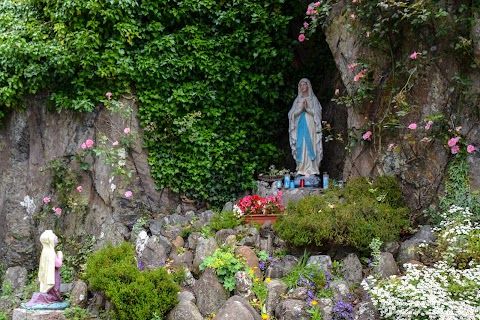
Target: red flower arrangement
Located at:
point(259, 205)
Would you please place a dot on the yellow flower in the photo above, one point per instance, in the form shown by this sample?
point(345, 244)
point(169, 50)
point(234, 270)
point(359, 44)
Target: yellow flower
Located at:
point(256, 279)
point(314, 302)
point(265, 316)
point(255, 268)
point(250, 271)
point(268, 279)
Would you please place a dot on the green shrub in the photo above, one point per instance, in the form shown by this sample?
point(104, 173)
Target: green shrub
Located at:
point(134, 294)
point(225, 263)
point(352, 216)
point(225, 220)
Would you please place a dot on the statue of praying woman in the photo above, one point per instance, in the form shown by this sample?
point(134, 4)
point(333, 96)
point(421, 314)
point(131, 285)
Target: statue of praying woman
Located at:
point(305, 130)
point(48, 275)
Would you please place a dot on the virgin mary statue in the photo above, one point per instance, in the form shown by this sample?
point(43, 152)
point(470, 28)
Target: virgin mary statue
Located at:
point(305, 130)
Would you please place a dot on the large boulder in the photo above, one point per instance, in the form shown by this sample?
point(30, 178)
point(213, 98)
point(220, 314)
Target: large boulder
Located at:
point(205, 247)
point(237, 308)
point(185, 310)
point(210, 293)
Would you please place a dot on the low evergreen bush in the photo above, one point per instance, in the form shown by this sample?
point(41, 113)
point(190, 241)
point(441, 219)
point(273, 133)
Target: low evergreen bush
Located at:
point(135, 294)
point(352, 216)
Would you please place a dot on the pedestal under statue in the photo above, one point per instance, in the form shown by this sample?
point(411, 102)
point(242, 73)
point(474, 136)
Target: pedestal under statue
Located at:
point(48, 296)
point(305, 131)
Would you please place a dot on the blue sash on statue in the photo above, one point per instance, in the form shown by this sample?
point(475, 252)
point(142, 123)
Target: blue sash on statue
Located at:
point(304, 134)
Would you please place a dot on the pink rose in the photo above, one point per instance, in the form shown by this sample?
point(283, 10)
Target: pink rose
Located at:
point(427, 127)
point(128, 194)
point(305, 25)
point(412, 126)
point(414, 55)
point(58, 211)
point(108, 95)
point(89, 143)
point(455, 149)
point(470, 148)
point(126, 130)
point(46, 200)
point(367, 135)
point(115, 143)
point(301, 37)
point(391, 146)
point(79, 189)
point(453, 141)
point(458, 128)
point(359, 76)
point(84, 146)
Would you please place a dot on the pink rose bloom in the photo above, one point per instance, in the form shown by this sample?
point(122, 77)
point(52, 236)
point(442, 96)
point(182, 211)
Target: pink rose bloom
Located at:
point(305, 25)
point(391, 146)
point(128, 194)
point(455, 149)
point(46, 200)
point(452, 142)
point(352, 66)
point(414, 55)
point(430, 122)
point(126, 130)
point(337, 92)
point(367, 135)
point(316, 4)
point(84, 146)
point(89, 143)
point(58, 211)
point(115, 143)
point(108, 95)
point(458, 128)
point(412, 126)
point(427, 127)
point(79, 189)
point(301, 37)
point(470, 148)
point(358, 76)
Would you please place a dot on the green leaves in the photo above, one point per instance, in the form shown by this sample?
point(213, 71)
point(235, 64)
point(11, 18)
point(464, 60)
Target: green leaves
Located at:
point(207, 76)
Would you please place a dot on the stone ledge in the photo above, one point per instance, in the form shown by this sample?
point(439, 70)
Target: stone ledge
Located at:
point(24, 314)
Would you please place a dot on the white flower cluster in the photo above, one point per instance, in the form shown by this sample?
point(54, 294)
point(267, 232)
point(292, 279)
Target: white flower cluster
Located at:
point(237, 212)
point(441, 292)
point(456, 230)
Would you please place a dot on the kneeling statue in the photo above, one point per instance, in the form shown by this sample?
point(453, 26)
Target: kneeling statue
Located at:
point(49, 276)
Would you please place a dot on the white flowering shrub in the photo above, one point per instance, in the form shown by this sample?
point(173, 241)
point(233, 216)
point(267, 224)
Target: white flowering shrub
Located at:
point(448, 290)
point(458, 237)
point(441, 292)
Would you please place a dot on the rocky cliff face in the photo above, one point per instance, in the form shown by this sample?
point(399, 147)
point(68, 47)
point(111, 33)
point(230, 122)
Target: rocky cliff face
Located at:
point(30, 140)
point(419, 164)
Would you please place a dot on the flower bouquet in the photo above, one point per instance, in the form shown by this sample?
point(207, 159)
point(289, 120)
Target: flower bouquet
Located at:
point(253, 205)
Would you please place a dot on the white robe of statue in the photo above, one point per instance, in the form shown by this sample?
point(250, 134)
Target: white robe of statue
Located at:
point(307, 151)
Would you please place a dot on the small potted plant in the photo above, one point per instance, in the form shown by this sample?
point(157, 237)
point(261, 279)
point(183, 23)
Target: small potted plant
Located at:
point(254, 208)
point(273, 174)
